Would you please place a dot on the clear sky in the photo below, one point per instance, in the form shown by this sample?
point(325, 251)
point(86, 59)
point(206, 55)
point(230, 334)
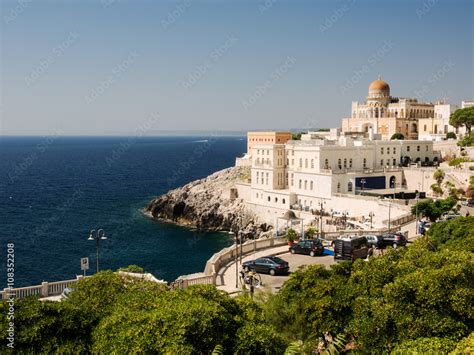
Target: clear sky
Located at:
point(122, 67)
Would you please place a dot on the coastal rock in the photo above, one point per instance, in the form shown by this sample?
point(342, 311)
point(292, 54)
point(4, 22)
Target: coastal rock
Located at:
point(206, 205)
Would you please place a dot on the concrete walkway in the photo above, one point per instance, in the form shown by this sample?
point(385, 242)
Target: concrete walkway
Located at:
point(226, 277)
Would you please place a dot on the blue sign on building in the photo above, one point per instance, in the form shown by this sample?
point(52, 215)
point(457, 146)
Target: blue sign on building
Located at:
point(370, 182)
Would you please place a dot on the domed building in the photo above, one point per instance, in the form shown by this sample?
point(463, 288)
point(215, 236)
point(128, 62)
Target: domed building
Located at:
point(387, 115)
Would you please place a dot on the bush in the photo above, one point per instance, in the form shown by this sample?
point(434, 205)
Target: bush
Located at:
point(397, 136)
point(426, 346)
point(451, 135)
point(465, 346)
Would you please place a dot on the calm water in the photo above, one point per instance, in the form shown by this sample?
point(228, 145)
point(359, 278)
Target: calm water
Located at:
point(54, 190)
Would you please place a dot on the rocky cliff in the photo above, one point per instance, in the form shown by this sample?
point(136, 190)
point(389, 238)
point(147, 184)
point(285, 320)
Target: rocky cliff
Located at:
point(206, 205)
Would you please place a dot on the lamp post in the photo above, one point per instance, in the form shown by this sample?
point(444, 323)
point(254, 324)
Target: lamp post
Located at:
point(321, 204)
point(362, 181)
point(98, 235)
point(371, 215)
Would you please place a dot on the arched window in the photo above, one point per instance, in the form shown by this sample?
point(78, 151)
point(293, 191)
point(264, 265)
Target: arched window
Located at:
point(435, 129)
point(393, 181)
point(349, 186)
point(276, 199)
point(365, 163)
point(339, 163)
point(345, 163)
point(283, 201)
point(299, 184)
point(301, 163)
point(311, 185)
point(326, 164)
point(268, 198)
point(305, 184)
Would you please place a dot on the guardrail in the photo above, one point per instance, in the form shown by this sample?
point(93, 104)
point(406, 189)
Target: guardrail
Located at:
point(46, 289)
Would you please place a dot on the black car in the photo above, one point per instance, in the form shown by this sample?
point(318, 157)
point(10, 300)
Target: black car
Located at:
point(351, 248)
point(309, 247)
point(272, 265)
point(392, 239)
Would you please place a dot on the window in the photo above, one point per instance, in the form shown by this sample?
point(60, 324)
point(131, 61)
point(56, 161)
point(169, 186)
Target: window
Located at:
point(394, 162)
point(417, 148)
point(312, 163)
point(306, 184)
point(365, 163)
point(426, 148)
point(339, 163)
point(276, 199)
point(381, 162)
point(349, 186)
point(326, 164)
point(381, 150)
point(311, 185)
point(299, 184)
point(345, 163)
point(292, 162)
point(292, 179)
point(266, 179)
point(283, 201)
point(424, 128)
point(306, 163)
point(268, 198)
point(268, 152)
point(350, 163)
point(338, 187)
point(394, 150)
point(408, 148)
point(388, 162)
point(301, 163)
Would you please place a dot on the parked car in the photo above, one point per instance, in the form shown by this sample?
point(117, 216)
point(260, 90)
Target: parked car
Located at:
point(309, 247)
point(449, 215)
point(372, 241)
point(392, 239)
point(272, 265)
point(350, 248)
point(470, 202)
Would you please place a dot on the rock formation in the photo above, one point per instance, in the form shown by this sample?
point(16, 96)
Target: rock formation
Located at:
point(207, 205)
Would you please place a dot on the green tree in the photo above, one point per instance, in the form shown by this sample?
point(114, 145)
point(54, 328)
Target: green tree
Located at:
point(451, 135)
point(311, 232)
point(465, 345)
point(439, 175)
point(455, 233)
point(463, 117)
point(291, 235)
point(433, 209)
point(467, 140)
point(424, 345)
point(397, 136)
point(296, 136)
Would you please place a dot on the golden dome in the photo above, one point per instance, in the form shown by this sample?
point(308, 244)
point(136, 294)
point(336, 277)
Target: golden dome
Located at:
point(379, 85)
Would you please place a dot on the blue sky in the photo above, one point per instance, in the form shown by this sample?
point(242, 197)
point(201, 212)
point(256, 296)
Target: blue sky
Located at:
point(122, 67)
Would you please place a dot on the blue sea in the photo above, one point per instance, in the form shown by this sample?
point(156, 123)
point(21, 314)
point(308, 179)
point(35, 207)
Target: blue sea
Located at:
point(54, 190)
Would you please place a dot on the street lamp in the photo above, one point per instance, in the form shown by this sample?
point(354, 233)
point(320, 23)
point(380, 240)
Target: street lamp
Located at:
point(98, 235)
point(371, 215)
point(362, 181)
point(321, 210)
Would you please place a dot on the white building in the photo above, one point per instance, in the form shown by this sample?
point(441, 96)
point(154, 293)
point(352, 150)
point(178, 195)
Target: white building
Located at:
point(437, 127)
point(303, 172)
point(467, 103)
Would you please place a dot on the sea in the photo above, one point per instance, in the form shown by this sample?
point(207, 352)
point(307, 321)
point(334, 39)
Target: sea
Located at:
point(54, 190)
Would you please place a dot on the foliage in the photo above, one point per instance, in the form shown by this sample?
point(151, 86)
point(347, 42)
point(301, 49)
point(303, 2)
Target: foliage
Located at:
point(133, 268)
point(451, 135)
point(463, 117)
point(296, 136)
point(259, 339)
point(439, 175)
point(437, 190)
point(465, 345)
point(433, 209)
point(311, 232)
point(467, 141)
point(291, 235)
point(455, 233)
point(424, 345)
point(397, 136)
point(456, 162)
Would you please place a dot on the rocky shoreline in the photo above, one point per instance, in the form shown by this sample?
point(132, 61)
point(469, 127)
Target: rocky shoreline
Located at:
point(210, 204)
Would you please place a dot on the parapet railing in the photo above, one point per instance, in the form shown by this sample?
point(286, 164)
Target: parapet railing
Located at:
point(46, 289)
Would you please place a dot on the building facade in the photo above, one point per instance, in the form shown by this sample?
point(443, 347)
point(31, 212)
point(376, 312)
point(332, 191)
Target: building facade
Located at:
point(266, 138)
point(304, 172)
